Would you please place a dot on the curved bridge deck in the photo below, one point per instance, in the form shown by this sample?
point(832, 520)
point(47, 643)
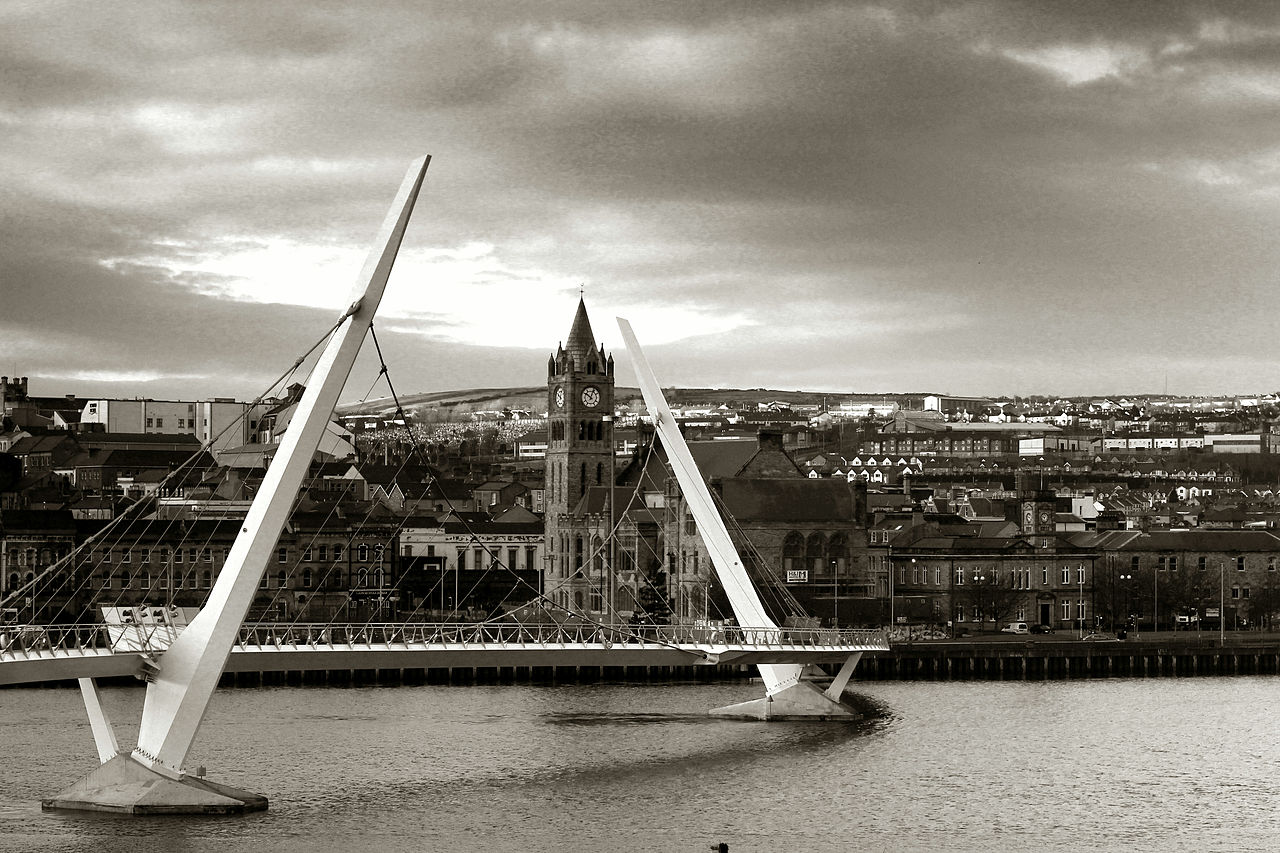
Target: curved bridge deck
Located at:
point(54, 653)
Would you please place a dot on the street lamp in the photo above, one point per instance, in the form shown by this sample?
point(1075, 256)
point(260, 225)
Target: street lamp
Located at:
point(888, 568)
point(1222, 601)
point(835, 575)
point(1080, 602)
point(1125, 578)
point(977, 596)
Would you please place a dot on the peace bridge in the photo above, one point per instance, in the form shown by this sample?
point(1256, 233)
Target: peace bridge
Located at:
point(61, 652)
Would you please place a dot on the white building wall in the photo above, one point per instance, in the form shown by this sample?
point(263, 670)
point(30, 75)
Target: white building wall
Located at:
point(223, 424)
point(427, 541)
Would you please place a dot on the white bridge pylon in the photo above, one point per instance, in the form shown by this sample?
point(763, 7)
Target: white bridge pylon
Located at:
point(179, 690)
point(787, 696)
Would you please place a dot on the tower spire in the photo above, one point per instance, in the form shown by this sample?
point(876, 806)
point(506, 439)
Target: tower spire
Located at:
point(581, 341)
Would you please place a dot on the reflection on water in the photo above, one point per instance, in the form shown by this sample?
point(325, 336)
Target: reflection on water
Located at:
point(1099, 765)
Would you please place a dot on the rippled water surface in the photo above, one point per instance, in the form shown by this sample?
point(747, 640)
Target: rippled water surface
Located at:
point(1127, 765)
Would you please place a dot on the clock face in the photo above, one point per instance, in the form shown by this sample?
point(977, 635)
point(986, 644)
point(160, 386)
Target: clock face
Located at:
point(1027, 517)
point(1044, 517)
point(559, 398)
point(590, 397)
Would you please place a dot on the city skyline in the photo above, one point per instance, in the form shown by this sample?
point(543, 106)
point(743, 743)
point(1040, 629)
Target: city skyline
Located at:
point(979, 199)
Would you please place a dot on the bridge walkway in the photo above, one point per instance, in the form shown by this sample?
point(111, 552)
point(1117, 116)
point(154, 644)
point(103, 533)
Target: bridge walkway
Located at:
point(30, 654)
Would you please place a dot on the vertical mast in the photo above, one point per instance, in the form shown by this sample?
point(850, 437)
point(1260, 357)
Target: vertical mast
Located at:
point(177, 699)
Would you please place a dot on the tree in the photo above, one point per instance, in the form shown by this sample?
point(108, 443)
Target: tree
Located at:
point(653, 606)
point(994, 598)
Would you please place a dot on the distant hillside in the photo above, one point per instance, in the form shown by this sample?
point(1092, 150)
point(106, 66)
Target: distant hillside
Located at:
point(462, 402)
point(459, 405)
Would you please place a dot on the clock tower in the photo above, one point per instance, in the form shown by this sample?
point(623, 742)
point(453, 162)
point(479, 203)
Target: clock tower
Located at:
point(1037, 511)
point(580, 454)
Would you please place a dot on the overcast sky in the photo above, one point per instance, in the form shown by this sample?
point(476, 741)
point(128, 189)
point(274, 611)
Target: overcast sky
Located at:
point(978, 198)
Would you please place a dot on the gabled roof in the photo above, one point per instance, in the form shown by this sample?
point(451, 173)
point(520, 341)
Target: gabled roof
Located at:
point(376, 473)
point(721, 458)
point(479, 527)
point(43, 520)
point(1205, 540)
point(597, 500)
point(107, 440)
point(140, 458)
point(44, 443)
point(786, 500)
point(517, 515)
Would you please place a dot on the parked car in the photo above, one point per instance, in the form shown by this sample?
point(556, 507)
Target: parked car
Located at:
point(1015, 628)
point(1042, 629)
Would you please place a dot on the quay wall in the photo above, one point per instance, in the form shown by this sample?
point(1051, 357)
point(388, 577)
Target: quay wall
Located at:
point(1069, 659)
point(924, 661)
point(490, 675)
point(1003, 660)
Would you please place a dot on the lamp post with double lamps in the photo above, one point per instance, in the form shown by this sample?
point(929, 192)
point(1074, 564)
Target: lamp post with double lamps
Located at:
point(1080, 601)
point(978, 580)
point(1125, 579)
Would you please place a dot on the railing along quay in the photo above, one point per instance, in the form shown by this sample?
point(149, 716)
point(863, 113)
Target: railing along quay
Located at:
point(1041, 660)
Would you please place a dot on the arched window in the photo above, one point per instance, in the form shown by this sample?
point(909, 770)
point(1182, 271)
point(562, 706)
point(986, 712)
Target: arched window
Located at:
point(792, 551)
point(815, 552)
point(838, 554)
point(362, 553)
point(362, 577)
point(14, 581)
point(599, 473)
point(577, 554)
point(377, 578)
point(582, 479)
point(597, 556)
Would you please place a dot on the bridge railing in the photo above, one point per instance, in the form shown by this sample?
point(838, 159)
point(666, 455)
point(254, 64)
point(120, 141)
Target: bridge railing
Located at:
point(28, 640)
point(542, 634)
point(25, 640)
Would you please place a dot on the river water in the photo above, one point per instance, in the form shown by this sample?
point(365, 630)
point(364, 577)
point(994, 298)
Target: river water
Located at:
point(1132, 765)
